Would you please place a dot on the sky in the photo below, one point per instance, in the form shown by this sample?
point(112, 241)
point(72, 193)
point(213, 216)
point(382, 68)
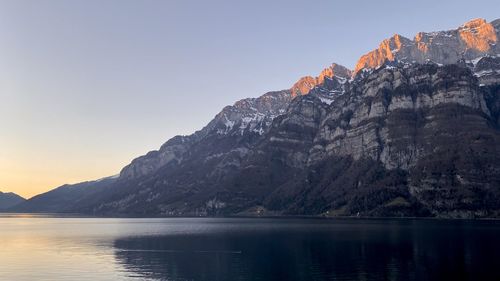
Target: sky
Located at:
point(87, 85)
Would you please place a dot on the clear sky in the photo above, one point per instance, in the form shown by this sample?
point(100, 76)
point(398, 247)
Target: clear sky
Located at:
point(86, 86)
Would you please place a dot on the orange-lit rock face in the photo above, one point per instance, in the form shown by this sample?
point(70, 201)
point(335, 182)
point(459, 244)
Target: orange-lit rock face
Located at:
point(478, 34)
point(384, 52)
point(443, 47)
point(327, 72)
point(303, 86)
point(307, 83)
point(421, 45)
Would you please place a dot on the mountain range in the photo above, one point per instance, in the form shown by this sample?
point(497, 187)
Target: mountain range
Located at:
point(412, 130)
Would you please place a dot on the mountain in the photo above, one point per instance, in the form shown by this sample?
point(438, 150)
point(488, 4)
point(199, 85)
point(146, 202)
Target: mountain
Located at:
point(414, 130)
point(8, 200)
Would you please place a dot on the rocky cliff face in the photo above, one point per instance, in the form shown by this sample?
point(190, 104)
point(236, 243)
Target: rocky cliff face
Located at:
point(413, 131)
point(412, 90)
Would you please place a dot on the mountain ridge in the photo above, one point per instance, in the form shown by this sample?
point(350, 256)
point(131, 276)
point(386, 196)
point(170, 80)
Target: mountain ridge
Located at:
point(243, 160)
point(468, 41)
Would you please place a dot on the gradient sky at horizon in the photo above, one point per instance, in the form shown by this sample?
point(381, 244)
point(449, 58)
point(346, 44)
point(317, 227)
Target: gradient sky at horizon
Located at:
point(86, 86)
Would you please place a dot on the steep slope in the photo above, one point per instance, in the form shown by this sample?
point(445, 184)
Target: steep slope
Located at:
point(248, 117)
point(9, 199)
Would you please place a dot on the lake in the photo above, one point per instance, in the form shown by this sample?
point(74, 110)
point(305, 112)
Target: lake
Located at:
point(71, 248)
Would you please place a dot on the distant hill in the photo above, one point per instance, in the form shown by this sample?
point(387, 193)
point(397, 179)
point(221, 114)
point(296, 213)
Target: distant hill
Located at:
point(63, 198)
point(9, 199)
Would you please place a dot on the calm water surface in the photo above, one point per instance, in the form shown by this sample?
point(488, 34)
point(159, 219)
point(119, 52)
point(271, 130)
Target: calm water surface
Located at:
point(50, 248)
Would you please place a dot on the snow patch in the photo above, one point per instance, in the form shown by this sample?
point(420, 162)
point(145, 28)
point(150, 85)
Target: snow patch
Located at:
point(326, 100)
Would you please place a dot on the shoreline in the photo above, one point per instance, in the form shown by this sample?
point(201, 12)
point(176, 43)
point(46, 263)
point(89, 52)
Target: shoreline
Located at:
point(304, 217)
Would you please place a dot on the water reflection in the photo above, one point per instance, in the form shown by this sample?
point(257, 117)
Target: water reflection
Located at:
point(323, 250)
point(50, 248)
